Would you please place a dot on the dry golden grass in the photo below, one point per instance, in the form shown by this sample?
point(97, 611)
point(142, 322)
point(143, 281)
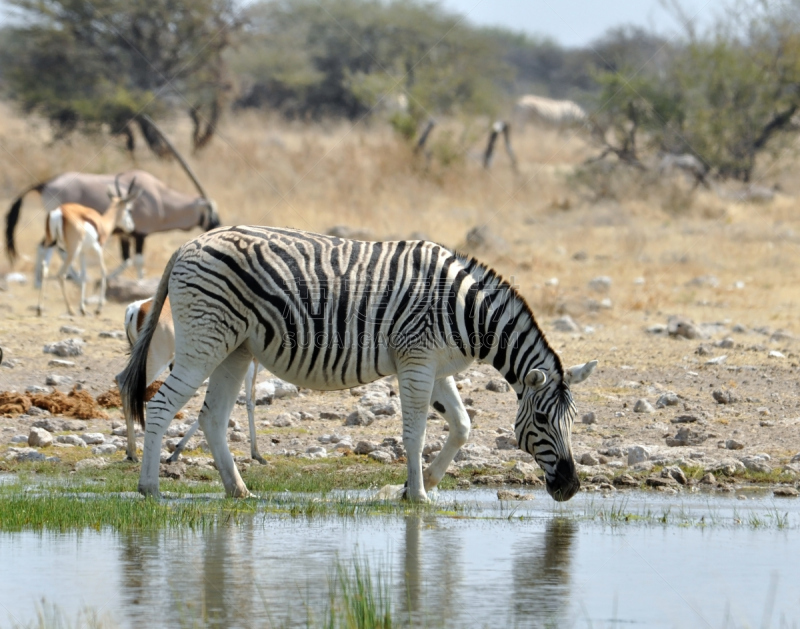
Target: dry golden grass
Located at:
point(262, 170)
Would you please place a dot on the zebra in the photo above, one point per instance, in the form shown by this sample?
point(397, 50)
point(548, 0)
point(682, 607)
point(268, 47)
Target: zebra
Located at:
point(328, 313)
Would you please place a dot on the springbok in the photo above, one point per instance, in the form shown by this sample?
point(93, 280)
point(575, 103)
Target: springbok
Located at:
point(158, 209)
point(76, 228)
point(160, 356)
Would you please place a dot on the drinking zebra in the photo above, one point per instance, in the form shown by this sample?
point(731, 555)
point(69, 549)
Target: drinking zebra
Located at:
point(329, 313)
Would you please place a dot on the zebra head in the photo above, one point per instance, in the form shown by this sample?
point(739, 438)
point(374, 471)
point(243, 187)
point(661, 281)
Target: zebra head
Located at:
point(544, 426)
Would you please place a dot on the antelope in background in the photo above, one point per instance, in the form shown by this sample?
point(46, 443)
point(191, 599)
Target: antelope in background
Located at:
point(158, 209)
point(160, 355)
point(77, 229)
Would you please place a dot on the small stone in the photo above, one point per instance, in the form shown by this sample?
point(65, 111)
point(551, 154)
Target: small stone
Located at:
point(91, 463)
point(684, 328)
point(39, 438)
point(600, 284)
point(19, 439)
point(506, 442)
point(785, 492)
point(756, 464)
point(93, 438)
point(589, 418)
point(65, 348)
point(726, 343)
point(73, 440)
point(795, 458)
point(723, 396)
point(381, 456)
point(48, 424)
point(328, 415)
point(264, 394)
point(667, 399)
point(507, 494)
point(626, 480)
point(283, 389)
point(317, 452)
point(657, 482)
point(776, 354)
point(71, 329)
point(54, 380)
point(359, 417)
point(497, 386)
point(365, 447)
point(237, 437)
point(172, 470)
point(684, 419)
point(718, 360)
point(565, 324)
point(472, 412)
point(637, 454)
point(686, 437)
point(763, 411)
point(732, 444)
point(116, 334)
point(61, 363)
point(284, 420)
point(105, 449)
point(587, 458)
point(708, 479)
point(643, 406)
point(676, 473)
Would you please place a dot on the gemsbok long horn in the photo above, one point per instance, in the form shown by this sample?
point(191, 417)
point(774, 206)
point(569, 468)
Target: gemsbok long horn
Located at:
point(178, 156)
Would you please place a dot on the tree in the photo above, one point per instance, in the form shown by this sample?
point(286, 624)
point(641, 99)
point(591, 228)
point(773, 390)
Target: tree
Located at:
point(82, 62)
point(312, 58)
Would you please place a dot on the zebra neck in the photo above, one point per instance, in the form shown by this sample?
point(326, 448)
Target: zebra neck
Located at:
point(506, 334)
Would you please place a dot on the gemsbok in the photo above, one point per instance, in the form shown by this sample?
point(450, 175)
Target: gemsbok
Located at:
point(77, 229)
point(159, 208)
point(160, 356)
point(330, 313)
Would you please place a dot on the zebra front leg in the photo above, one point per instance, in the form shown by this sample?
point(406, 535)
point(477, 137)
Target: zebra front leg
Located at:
point(223, 388)
point(416, 384)
point(250, 396)
point(171, 396)
point(182, 443)
point(446, 400)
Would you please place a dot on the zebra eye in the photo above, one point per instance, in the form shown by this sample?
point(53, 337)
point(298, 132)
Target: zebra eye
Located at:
point(540, 418)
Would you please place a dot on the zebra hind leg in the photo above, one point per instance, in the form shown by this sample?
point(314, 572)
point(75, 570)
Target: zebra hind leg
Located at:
point(223, 388)
point(446, 400)
point(182, 443)
point(250, 396)
point(415, 383)
point(171, 396)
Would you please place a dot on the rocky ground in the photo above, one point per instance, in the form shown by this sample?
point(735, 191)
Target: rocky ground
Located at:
point(673, 404)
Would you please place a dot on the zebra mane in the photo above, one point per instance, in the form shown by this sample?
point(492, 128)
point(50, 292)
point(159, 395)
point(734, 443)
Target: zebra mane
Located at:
point(486, 277)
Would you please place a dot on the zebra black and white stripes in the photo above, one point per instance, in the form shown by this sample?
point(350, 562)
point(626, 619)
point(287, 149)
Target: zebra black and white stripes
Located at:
point(329, 313)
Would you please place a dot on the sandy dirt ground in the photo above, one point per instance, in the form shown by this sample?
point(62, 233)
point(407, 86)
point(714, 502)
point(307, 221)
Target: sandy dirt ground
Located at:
point(733, 386)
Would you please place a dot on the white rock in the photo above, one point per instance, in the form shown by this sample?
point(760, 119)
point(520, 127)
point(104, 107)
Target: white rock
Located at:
point(19, 439)
point(39, 438)
point(381, 456)
point(283, 420)
point(73, 440)
point(565, 324)
point(776, 354)
point(284, 389)
point(104, 450)
point(637, 454)
point(600, 284)
point(93, 438)
point(643, 406)
point(65, 348)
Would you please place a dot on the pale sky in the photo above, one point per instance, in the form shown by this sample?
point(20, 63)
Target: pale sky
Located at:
point(572, 22)
point(577, 22)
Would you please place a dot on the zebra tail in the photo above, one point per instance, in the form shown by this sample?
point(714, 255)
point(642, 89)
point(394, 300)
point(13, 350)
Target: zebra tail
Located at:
point(11, 220)
point(133, 379)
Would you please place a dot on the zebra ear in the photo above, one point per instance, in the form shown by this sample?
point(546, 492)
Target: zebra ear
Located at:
point(579, 373)
point(535, 379)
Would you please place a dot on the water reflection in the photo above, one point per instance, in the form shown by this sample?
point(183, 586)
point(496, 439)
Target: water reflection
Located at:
point(541, 575)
